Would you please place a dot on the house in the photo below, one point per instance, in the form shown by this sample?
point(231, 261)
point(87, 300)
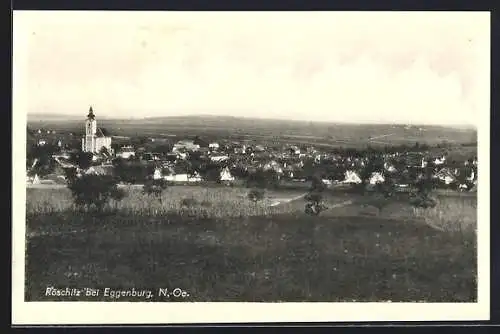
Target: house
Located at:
point(157, 174)
point(240, 149)
point(326, 182)
point(351, 177)
point(414, 160)
point(474, 187)
point(376, 178)
point(462, 187)
point(177, 178)
point(389, 167)
point(439, 160)
point(214, 146)
point(100, 170)
point(445, 175)
point(471, 177)
point(126, 152)
point(195, 178)
point(225, 175)
point(219, 158)
point(185, 145)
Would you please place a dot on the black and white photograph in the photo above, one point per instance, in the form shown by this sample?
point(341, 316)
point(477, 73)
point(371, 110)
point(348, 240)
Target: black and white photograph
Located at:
point(250, 166)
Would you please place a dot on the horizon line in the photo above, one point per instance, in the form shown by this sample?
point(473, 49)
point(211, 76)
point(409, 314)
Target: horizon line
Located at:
point(194, 115)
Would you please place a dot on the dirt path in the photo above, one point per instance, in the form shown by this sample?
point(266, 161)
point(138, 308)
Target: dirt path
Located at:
point(288, 200)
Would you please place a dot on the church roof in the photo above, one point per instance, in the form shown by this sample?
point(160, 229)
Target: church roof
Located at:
point(100, 133)
point(91, 114)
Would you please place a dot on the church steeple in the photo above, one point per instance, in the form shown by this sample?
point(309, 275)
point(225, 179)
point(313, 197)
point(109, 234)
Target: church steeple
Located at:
point(91, 114)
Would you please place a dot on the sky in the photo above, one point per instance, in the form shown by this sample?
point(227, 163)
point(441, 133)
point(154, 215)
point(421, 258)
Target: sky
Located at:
point(393, 67)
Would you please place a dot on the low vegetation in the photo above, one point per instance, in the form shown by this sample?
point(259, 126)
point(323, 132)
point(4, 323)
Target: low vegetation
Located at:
point(222, 245)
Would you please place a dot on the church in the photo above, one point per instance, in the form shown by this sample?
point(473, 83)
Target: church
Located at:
point(94, 139)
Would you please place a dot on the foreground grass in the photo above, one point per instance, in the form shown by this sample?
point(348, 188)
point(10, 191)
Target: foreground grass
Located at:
point(285, 257)
point(218, 202)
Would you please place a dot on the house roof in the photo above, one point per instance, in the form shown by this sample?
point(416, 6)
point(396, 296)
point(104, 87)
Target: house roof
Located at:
point(100, 170)
point(444, 173)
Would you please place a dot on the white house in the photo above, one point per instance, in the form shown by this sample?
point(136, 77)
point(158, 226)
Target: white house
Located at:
point(187, 145)
point(446, 176)
point(389, 167)
point(213, 146)
point(218, 158)
point(462, 187)
point(177, 178)
point(327, 182)
point(195, 178)
point(471, 177)
point(440, 160)
point(126, 152)
point(376, 177)
point(351, 177)
point(100, 170)
point(225, 175)
point(157, 174)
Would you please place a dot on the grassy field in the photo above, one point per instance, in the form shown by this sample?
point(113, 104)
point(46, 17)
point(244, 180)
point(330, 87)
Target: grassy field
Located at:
point(218, 246)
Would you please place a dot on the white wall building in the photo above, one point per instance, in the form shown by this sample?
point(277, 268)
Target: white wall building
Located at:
point(376, 178)
point(225, 175)
point(352, 177)
point(94, 139)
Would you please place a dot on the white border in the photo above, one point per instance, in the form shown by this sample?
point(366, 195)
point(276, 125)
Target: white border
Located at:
point(34, 313)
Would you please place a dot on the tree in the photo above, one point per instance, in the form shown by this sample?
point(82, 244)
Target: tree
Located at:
point(199, 141)
point(256, 195)
point(94, 191)
point(82, 159)
point(317, 184)
point(104, 151)
point(155, 187)
point(70, 174)
point(314, 197)
point(424, 186)
point(210, 172)
point(263, 179)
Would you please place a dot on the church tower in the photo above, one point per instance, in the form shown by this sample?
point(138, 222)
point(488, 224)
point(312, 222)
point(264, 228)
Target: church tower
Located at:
point(89, 141)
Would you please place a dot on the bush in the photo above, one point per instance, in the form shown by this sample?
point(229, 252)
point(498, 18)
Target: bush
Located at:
point(256, 195)
point(314, 197)
point(155, 188)
point(423, 201)
point(317, 184)
point(262, 179)
point(188, 202)
point(94, 191)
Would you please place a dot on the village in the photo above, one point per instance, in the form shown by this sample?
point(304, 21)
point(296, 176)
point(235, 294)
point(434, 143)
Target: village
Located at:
point(193, 160)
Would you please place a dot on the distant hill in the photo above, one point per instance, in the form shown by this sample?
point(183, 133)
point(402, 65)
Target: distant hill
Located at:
point(269, 129)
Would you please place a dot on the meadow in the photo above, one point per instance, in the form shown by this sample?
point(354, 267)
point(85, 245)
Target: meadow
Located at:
point(219, 246)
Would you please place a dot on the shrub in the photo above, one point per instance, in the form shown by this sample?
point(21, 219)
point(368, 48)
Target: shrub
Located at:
point(188, 202)
point(423, 201)
point(314, 197)
point(317, 184)
point(94, 191)
point(256, 195)
point(206, 204)
point(155, 188)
